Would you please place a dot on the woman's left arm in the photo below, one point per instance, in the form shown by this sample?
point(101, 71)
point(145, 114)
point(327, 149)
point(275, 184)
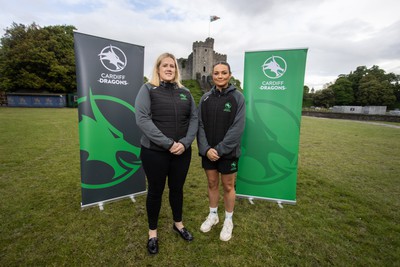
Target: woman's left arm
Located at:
point(233, 135)
point(193, 125)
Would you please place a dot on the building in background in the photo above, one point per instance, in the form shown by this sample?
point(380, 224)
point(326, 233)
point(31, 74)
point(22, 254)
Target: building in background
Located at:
point(199, 63)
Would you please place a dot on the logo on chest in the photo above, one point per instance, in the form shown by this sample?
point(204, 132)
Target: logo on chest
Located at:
point(227, 107)
point(183, 97)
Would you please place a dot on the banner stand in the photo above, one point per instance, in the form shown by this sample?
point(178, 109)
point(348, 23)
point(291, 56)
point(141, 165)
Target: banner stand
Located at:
point(101, 204)
point(278, 201)
point(109, 76)
point(273, 89)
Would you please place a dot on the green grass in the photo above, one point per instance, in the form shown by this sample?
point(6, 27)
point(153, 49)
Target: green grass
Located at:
point(347, 211)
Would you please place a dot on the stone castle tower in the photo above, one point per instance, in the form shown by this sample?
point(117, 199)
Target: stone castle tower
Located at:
point(199, 63)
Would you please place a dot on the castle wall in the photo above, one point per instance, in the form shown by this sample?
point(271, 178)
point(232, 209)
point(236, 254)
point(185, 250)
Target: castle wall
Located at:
point(198, 65)
point(219, 57)
point(185, 67)
point(203, 53)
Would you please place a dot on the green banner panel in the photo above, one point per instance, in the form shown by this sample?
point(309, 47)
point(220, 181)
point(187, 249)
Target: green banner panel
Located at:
point(273, 89)
point(109, 75)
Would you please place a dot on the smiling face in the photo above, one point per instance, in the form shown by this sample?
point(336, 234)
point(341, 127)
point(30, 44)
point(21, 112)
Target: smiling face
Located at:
point(221, 76)
point(167, 70)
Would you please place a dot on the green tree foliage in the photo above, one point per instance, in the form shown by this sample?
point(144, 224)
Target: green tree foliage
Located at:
point(372, 92)
point(324, 98)
point(307, 97)
point(373, 86)
point(396, 90)
point(343, 91)
point(306, 89)
point(236, 83)
point(355, 77)
point(38, 59)
point(366, 87)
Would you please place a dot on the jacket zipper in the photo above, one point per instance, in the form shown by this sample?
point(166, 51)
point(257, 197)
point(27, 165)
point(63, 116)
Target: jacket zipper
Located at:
point(215, 118)
point(176, 115)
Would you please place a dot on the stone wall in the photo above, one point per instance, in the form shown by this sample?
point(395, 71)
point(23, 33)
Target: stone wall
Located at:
point(198, 65)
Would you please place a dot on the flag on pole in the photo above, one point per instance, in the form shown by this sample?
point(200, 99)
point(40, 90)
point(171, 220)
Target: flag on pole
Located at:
point(214, 18)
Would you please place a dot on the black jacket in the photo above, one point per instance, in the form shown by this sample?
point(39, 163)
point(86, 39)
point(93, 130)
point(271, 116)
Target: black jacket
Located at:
point(221, 122)
point(165, 114)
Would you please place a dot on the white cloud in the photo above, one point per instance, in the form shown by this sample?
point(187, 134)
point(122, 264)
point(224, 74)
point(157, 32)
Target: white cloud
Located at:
point(341, 35)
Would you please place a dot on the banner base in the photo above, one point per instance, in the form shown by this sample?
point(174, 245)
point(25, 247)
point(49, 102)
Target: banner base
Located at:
point(276, 200)
point(100, 204)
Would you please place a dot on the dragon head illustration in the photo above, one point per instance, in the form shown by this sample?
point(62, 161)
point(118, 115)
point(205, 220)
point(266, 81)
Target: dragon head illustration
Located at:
point(274, 67)
point(269, 153)
point(106, 144)
point(113, 58)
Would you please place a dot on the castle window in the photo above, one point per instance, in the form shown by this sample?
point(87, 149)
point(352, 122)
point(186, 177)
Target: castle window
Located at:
point(206, 49)
point(204, 68)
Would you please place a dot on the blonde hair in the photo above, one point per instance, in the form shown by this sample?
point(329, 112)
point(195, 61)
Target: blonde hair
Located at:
point(155, 79)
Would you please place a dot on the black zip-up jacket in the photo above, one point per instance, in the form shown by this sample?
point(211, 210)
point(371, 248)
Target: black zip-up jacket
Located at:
point(165, 114)
point(221, 122)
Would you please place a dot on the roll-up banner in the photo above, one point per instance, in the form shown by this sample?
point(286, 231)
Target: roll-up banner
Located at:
point(109, 75)
point(273, 89)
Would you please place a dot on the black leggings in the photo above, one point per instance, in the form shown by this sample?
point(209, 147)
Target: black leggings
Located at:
point(157, 166)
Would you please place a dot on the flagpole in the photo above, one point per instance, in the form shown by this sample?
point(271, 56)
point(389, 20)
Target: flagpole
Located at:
point(212, 18)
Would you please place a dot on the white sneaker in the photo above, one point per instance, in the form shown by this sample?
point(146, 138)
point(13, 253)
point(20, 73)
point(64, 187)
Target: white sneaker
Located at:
point(226, 232)
point(209, 223)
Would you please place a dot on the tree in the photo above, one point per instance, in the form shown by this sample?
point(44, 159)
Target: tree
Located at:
point(343, 91)
point(355, 77)
point(307, 97)
point(394, 81)
point(396, 90)
point(38, 59)
point(324, 97)
point(306, 90)
point(373, 86)
point(235, 82)
point(372, 92)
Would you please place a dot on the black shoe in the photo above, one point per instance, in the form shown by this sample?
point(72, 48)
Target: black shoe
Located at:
point(183, 233)
point(152, 245)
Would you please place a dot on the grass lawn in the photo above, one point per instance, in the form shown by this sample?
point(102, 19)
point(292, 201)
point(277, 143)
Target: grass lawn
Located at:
point(347, 211)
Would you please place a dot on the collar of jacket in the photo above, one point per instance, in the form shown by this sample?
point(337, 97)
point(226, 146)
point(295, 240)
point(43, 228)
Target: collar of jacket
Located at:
point(215, 91)
point(168, 85)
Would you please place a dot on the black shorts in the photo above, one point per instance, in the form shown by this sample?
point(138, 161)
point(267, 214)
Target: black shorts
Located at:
point(224, 166)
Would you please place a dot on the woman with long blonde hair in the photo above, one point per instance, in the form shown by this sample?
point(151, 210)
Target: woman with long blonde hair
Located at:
point(167, 115)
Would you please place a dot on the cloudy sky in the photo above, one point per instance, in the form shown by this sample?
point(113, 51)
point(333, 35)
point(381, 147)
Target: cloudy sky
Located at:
point(340, 34)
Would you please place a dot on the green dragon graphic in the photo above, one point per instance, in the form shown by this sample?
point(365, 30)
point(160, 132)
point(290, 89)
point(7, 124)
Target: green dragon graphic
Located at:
point(102, 141)
point(279, 161)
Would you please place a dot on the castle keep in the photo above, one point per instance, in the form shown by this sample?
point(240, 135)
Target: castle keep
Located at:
point(199, 63)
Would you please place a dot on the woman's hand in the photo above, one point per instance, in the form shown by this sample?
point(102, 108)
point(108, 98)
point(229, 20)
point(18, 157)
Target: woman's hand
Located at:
point(212, 154)
point(177, 148)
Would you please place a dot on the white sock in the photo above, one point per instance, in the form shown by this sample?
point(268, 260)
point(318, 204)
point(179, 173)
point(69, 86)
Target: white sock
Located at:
point(228, 215)
point(214, 211)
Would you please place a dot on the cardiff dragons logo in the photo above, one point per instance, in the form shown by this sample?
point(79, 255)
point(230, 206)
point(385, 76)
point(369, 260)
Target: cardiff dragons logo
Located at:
point(113, 58)
point(274, 67)
point(104, 148)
